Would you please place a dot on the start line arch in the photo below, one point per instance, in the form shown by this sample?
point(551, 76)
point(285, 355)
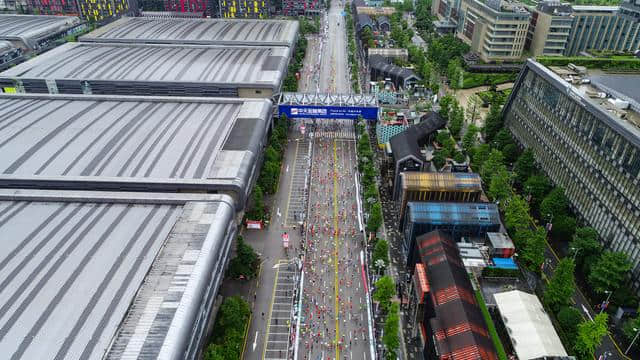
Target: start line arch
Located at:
point(328, 106)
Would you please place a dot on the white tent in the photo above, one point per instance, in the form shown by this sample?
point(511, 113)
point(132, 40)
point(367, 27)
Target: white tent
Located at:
point(528, 325)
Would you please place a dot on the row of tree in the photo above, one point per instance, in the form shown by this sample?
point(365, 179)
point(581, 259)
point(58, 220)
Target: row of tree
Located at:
point(351, 47)
point(229, 330)
point(384, 293)
point(367, 170)
point(270, 173)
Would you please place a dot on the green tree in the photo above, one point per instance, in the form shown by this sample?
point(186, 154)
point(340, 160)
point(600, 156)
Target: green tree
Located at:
point(562, 285)
point(442, 136)
point(525, 166)
point(609, 271)
point(534, 245)
point(391, 338)
point(381, 251)
point(469, 138)
point(439, 159)
point(585, 241)
point(500, 186)
point(493, 164)
point(473, 108)
point(516, 215)
point(375, 218)
point(459, 157)
point(245, 262)
point(493, 122)
point(480, 155)
point(628, 329)
point(554, 204)
point(510, 152)
point(454, 73)
point(590, 334)
point(502, 139)
point(564, 226)
point(446, 103)
point(257, 208)
point(536, 186)
point(385, 290)
point(569, 318)
point(456, 119)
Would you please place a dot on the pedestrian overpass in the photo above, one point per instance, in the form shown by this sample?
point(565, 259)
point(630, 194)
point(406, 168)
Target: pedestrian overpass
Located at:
point(328, 106)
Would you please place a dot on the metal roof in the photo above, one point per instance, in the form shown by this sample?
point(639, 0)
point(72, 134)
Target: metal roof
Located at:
point(197, 31)
point(453, 213)
point(439, 181)
point(145, 143)
point(226, 66)
point(93, 275)
point(30, 28)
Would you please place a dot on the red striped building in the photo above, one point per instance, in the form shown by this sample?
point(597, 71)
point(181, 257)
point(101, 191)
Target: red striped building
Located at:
point(445, 310)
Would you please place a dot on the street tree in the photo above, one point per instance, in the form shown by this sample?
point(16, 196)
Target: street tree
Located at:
point(469, 138)
point(629, 329)
point(455, 73)
point(564, 227)
point(534, 245)
point(590, 334)
point(381, 251)
point(257, 206)
point(585, 241)
point(391, 338)
point(502, 139)
point(554, 204)
point(384, 292)
point(456, 119)
point(562, 285)
point(246, 261)
point(375, 218)
point(525, 166)
point(480, 155)
point(536, 186)
point(493, 122)
point(516, 215)
point(500, 186)
point(445, 106)
point(492, 165)
point(473, 108)
point(609, 272)
point(569, 318)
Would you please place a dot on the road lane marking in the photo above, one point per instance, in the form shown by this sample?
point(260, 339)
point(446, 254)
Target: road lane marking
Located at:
point(273, 294)
point(335, 242)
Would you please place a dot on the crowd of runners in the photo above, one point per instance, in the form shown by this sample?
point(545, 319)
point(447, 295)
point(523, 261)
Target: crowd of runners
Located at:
point(334, 311)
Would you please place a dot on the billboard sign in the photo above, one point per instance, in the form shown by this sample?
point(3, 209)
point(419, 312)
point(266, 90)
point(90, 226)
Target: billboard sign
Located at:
point(328, 112)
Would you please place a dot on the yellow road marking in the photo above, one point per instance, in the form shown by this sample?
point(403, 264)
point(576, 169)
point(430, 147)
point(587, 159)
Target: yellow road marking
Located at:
point(246, 333)
point(293, 173)
point(273, 297)
point(335, 243)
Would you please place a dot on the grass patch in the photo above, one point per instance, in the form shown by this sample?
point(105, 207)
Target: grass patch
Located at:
point(471, 80)
point(491, 326)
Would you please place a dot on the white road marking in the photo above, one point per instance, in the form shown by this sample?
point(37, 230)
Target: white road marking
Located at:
point(255, 342)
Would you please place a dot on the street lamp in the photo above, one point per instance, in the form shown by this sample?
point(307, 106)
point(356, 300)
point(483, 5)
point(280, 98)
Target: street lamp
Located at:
point(632, 341)
point(606, 301)
point(577, 250)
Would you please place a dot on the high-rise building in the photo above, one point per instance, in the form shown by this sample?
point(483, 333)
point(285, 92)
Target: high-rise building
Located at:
point(549, 28)
point(586, 136)
point(495, 29)
point(254, 9)
point(614, 28)
point(300, 7)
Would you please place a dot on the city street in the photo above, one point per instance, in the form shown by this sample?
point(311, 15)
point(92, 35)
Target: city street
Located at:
point(317, 188)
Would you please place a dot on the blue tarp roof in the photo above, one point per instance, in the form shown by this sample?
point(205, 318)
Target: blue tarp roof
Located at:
point(504, 263)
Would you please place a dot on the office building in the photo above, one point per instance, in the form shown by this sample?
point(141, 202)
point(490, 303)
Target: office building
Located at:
point(549, 29)
point(447, 13)
point(586, 137)
point(150, 69)
point(241, 9)
point(494, 29)
point(38, 33)
point(615, 28)
point(300, 7)
point(447, 320)
point(133, 143)
point(110, 275)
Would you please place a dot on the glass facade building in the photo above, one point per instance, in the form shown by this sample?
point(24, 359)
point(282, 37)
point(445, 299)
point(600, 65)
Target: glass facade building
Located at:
point(591, 151)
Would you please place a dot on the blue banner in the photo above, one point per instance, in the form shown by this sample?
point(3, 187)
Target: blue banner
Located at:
point(328, 112)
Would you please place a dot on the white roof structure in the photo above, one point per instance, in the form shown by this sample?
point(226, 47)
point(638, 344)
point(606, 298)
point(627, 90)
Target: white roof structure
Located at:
point(109, 275)
point(30, 29)
point(117, 143)
point(528, 325)
point(155, 30)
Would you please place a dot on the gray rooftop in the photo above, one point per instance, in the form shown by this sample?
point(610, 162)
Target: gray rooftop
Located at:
point(161, 65)
point(197, 31)
point(109, 275)
point(162, 144)
point(30, 28)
